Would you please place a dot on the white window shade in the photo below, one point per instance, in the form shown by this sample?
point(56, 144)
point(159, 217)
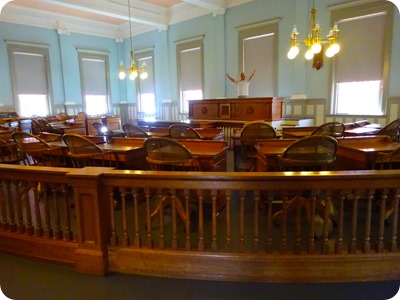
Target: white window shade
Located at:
point(94, 76)
point(362, 46)
point(258, 54)
point(147, 85)
point(30, 71)
point(191, 69)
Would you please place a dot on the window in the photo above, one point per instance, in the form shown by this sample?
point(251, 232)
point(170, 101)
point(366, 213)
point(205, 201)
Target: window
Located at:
point(360, 74)
point(94, 78)
point(258, 51)
point(146, 87)
point(30, 84)
point(190, 71)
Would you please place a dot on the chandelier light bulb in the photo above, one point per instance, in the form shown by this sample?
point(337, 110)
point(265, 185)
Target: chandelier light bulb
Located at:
point(316, 48)
point(335, 48)
point(329, 52)
point(309, 54)
point(122, 75)
point(133, 75)
point(143, 75)
point(294, 50)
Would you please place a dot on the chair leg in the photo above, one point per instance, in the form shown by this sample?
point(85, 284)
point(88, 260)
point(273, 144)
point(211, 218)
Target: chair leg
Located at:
point(178, 206)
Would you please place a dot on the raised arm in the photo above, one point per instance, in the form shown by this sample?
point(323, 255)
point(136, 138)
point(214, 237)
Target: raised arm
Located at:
point(230, 78)
point(252, 74)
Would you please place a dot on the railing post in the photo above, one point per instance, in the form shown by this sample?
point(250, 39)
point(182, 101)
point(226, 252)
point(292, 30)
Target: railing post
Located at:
point(92, 215)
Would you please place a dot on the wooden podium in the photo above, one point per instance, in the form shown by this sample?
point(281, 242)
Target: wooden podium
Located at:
point(237, 109)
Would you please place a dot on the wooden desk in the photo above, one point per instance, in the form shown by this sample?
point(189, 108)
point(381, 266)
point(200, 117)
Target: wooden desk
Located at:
point(267, 150)
point(131, 157)
point(297, 132)
point(206, 133)
point(359, 152)
point(212, 153)
point(360, 131)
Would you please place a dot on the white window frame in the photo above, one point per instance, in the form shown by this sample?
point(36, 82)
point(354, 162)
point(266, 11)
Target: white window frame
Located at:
point(269, 29)
point(184, 96)
point(40, 99)
point(343, 13)
point(101, 56)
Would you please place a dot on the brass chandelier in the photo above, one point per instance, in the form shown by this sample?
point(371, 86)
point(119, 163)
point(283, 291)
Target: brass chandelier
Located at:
point(313, 42)
point(133, 69)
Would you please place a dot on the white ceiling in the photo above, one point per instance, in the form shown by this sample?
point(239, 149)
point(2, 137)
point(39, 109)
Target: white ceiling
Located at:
point(109, 18)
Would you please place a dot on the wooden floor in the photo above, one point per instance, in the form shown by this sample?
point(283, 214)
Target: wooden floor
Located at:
point(22, 279)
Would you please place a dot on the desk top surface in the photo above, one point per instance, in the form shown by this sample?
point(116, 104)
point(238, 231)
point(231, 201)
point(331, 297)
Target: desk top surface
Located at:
point(369, 144)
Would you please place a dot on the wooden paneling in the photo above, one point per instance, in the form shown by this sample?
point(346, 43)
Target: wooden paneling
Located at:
point(247, 109)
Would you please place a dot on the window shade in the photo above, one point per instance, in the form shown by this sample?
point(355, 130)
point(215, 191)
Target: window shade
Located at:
point(258, 55)
point(146, 85)
point(191, 69)
point(30, 70)
point(362, 44)
point(94, 76)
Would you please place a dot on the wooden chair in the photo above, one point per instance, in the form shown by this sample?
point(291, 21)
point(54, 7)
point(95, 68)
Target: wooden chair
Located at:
point(249, 137)
point(166, 154)
point(334, 129)
point(9, 153)
point(183, 131)
point(83, 152)
point(392, 130)
point(134, 131)
point(37, 151)
point(311, 153)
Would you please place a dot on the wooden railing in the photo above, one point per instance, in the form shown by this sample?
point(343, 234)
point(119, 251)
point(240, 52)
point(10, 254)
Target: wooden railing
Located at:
point(234, 226)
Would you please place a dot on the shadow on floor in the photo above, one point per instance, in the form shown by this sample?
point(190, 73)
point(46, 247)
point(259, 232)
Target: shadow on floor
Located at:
point(22, 279)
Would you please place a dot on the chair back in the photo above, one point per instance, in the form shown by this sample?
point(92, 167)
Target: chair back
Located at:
point(9, 153)
point(169, 155)
point(392, 130)
point(183, 131)
point(334, 129)
point(102, 129)
point(37, 150)
point(133, 131)
point(252, 133)
point(311, 153)
point(83, 152)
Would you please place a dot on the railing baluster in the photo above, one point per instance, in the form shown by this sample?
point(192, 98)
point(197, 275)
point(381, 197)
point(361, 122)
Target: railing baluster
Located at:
point(46, 209)
point(57, 233)
point(214, 245)
point(188, 223)
point(228, 220)
point(368, 219)
point(242, 199)
point(297, 226)
point(268, 232)
point(114, 236)
point(381, 221)
point(125, 235)
point(327, 221)
point(256, 218)
point(311, 240)
point(340, 220)
point(149, 238)
point(68, 235)
point(353, 230)
point(395, 218)
point(174, 199)
point(5, 185)
point(136, 241)
point(200, 245)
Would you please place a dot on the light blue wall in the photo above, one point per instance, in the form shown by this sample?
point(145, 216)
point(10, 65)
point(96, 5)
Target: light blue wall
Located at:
point(220, 53)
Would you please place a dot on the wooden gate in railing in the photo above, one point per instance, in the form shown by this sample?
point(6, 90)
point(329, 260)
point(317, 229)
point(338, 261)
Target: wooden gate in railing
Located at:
point(232, 226)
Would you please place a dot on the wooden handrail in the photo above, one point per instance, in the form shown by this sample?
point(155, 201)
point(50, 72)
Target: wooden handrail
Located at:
point(230, 234)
